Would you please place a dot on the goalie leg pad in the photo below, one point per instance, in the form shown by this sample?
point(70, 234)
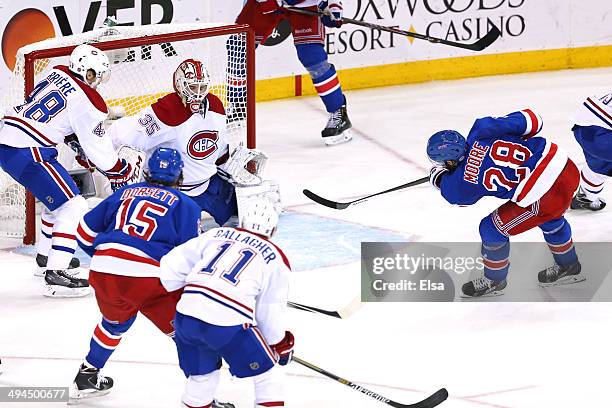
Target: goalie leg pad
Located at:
point(219, 200)
point(323, 74)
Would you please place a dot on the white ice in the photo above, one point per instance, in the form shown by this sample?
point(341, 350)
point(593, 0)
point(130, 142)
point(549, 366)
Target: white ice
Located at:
point(488, 355)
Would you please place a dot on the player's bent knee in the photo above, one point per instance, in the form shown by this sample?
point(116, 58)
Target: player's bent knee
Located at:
point(200, 389)
point(314, 58)
point(74, 209)
point(554, 226)
point(489, 233)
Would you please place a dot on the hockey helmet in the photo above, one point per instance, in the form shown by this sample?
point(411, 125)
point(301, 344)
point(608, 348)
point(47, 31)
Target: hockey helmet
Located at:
point(446, 145)
point(165, 166)
point(191, 83)
point(84, 58)
point(260, 217)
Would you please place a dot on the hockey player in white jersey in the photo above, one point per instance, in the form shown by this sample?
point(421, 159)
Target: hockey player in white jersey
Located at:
point(233, 278)
point(593, 131)
point(192, 121)
point(63, 104)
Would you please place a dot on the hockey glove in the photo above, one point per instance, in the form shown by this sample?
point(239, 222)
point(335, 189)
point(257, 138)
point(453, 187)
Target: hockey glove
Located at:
point(435, 175)
point(268, 6)
point(119, 174)
point(74, 144)
point(284, 349)
point(332, 13)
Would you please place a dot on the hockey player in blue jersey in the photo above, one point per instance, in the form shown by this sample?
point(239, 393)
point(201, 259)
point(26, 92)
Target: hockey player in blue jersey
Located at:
point(503, 158)
point(308, 31)
point(593, 131)
point(126, 235)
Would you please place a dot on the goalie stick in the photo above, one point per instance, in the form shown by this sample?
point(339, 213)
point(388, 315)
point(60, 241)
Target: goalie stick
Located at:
point(341, 206)
point(488, 39)
point(433, 400)
point(339, 314)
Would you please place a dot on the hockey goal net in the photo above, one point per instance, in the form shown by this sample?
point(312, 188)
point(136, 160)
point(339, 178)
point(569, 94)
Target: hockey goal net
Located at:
point(143, 60)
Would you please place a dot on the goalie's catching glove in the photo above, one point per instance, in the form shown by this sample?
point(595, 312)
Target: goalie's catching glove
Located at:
point(332, 13)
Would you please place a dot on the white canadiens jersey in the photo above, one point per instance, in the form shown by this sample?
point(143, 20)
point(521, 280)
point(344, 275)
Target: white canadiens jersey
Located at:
point(199, 137)
point(231, 277)
point(61, 105)
point(595, 111)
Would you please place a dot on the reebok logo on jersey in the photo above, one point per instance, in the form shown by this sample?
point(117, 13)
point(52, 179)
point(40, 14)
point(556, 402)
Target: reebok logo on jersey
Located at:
point(202, 144)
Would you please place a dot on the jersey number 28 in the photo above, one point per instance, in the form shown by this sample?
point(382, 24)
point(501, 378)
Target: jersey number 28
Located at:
point(506, 154)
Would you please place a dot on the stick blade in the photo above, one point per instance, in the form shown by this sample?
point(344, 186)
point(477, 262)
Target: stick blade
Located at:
point(432, 401)
point(324, 201)
point(487, 40)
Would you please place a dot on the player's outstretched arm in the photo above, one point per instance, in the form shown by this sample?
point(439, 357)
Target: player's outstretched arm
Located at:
point(271, 306)
point(524, 124)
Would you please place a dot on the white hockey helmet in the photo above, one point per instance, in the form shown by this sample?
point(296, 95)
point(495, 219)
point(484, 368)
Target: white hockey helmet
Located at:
point(84, 58)
point(260, 217)
point(191, 82)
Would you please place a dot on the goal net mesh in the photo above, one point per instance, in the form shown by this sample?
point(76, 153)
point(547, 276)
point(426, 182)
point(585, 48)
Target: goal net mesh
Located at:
point(140, 74)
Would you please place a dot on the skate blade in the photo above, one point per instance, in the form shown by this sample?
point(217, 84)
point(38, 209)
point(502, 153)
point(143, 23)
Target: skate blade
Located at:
point(56, 291)
point(343, 137)
point(78, 396)
point(490, 294)
point(567, 280)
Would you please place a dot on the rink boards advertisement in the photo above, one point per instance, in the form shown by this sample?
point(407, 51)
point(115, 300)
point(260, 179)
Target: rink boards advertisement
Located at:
point(536, 35)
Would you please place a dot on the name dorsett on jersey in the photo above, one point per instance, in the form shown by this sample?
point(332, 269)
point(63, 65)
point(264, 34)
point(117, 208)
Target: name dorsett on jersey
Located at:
point(260, 245)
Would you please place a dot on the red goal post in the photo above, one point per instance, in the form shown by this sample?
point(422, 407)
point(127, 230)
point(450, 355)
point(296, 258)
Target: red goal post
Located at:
point(245, 130)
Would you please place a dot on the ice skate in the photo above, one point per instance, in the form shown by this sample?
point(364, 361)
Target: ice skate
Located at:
point(558, 275)
point(64, 284)
point(41, 262)
point(581, 202)
point(483, 287)
point(88, 383)
point(338, 128)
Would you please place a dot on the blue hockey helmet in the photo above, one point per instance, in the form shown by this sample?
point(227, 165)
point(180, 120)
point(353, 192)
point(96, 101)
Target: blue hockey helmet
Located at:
point(446, 145)
point(165, 166)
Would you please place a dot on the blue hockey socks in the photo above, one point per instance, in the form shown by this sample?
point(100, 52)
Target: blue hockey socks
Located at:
point(105, 339)
point(323, 74)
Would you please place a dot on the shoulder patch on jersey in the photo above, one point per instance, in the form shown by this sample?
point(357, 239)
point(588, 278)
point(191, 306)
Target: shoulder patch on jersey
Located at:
point(215, 104)
point(170, 110)
point(94, 97)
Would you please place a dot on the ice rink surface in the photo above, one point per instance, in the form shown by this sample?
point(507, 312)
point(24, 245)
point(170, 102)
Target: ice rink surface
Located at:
point(488, 355)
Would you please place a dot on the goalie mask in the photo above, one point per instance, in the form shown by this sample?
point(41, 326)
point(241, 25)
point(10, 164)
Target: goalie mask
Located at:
point(191, 83)
point(85, 58)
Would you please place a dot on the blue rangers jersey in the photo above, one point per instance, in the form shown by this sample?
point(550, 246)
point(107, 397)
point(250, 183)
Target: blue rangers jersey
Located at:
point(128, 233)
point(505, 160)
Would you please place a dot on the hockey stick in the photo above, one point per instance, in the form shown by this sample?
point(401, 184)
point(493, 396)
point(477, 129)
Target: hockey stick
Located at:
point(341, 206)
point(433, 400)
point(479, 45)
point(339, 314)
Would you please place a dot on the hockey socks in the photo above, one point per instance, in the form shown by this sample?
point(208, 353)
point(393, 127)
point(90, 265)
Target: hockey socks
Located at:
point(558, 236)
point(496, 260)
point(105, 339)
point(323, 74)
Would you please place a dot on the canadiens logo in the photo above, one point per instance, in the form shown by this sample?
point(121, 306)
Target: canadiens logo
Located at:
point(202, 144)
